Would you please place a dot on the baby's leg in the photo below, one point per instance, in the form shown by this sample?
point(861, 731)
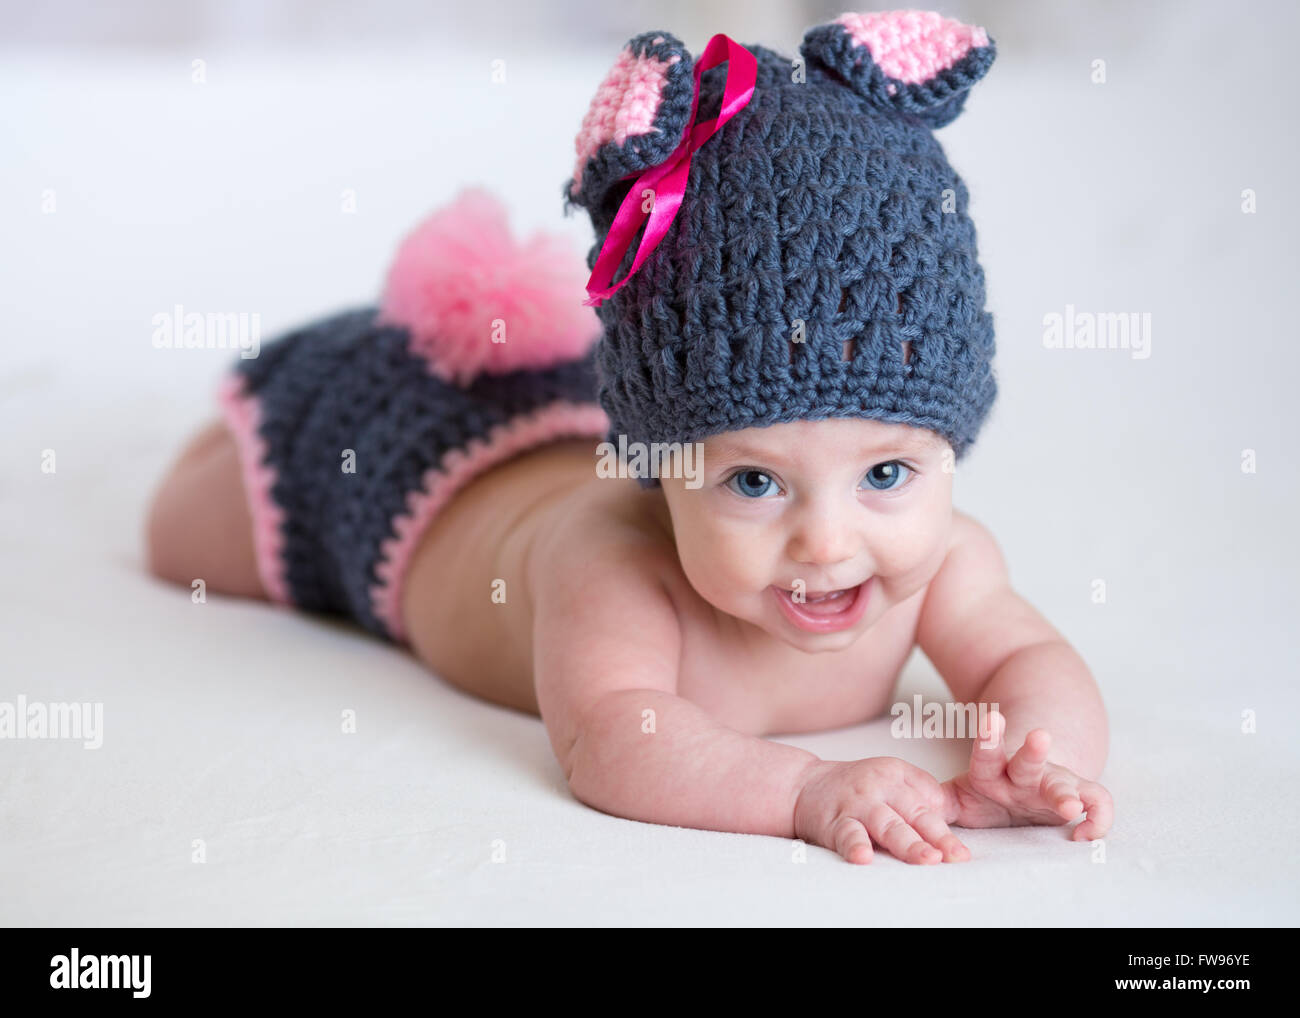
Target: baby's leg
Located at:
point(199, 526)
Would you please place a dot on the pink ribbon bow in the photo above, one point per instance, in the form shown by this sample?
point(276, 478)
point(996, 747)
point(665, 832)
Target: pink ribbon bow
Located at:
point(667, 180)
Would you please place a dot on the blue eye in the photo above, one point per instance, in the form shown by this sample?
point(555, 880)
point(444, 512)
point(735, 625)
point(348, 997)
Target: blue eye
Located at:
point(753, 483)
point(885, 476)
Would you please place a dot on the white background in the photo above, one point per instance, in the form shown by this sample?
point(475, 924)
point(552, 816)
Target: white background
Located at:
point(222, 719)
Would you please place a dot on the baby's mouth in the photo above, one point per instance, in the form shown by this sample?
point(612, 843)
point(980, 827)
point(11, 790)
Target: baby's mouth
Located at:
point(823, 602)
point(824, 611)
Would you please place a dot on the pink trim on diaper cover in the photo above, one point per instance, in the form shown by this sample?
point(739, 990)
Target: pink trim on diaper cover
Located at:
point(913, 46)
point(243, 416)
point(458, 467)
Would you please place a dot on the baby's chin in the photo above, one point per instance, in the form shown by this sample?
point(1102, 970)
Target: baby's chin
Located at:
point(815, 643)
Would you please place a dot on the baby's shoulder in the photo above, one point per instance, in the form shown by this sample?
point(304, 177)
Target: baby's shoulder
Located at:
point(970, 542)
point(604, 533)
point(972, 570)
point(599, 581)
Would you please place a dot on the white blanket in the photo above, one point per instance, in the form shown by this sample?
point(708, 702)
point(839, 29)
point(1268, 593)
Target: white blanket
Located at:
point(226, 792)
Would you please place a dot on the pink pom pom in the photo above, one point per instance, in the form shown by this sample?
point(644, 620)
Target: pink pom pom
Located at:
point(476, 301)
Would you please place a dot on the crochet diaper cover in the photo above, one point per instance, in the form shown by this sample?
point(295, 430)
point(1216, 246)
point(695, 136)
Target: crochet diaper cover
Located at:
point(355, 430)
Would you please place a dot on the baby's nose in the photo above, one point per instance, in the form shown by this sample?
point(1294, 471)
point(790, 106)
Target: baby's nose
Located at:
point(822, 539)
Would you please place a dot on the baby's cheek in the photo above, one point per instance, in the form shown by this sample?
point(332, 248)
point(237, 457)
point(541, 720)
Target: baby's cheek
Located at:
point(728, 559)
point(913, 554)
point(740, 555)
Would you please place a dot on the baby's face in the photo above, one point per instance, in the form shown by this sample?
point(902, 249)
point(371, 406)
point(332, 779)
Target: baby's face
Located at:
point(853, 508)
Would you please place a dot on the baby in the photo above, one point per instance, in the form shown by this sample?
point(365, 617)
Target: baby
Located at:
point(774, 395)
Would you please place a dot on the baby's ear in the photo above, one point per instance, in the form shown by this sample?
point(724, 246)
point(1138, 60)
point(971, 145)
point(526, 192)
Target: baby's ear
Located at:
point(636, 119)
point(916, 62)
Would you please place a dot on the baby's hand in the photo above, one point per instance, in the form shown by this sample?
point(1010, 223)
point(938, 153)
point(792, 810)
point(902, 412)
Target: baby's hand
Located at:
point(997, 792)
point(845, 804)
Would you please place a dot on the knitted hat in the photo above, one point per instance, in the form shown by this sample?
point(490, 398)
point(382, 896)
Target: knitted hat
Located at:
point(821, 262)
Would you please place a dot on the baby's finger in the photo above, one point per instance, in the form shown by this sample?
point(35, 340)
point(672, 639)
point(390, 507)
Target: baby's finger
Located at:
point(988, 759)
point(932, 828)
point(1062, 792)
point(851, 840)
point(893, 833)
point(1101, 811)
point(1026, 766)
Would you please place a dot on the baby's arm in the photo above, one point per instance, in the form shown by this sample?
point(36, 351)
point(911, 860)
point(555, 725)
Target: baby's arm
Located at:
point(607, 651)
point(991, 646)
point(607, 648)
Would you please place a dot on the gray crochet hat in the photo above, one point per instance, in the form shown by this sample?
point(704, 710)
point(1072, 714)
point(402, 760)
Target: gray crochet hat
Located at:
point(821, 263)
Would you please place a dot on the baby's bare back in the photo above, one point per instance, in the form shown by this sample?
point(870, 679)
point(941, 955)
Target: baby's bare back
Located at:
point(534, 527)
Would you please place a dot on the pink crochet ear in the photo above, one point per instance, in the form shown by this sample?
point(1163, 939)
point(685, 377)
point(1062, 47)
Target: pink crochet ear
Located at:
point(636, 118)
point(916, 62)
point(913, 46)
point(477, 301)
